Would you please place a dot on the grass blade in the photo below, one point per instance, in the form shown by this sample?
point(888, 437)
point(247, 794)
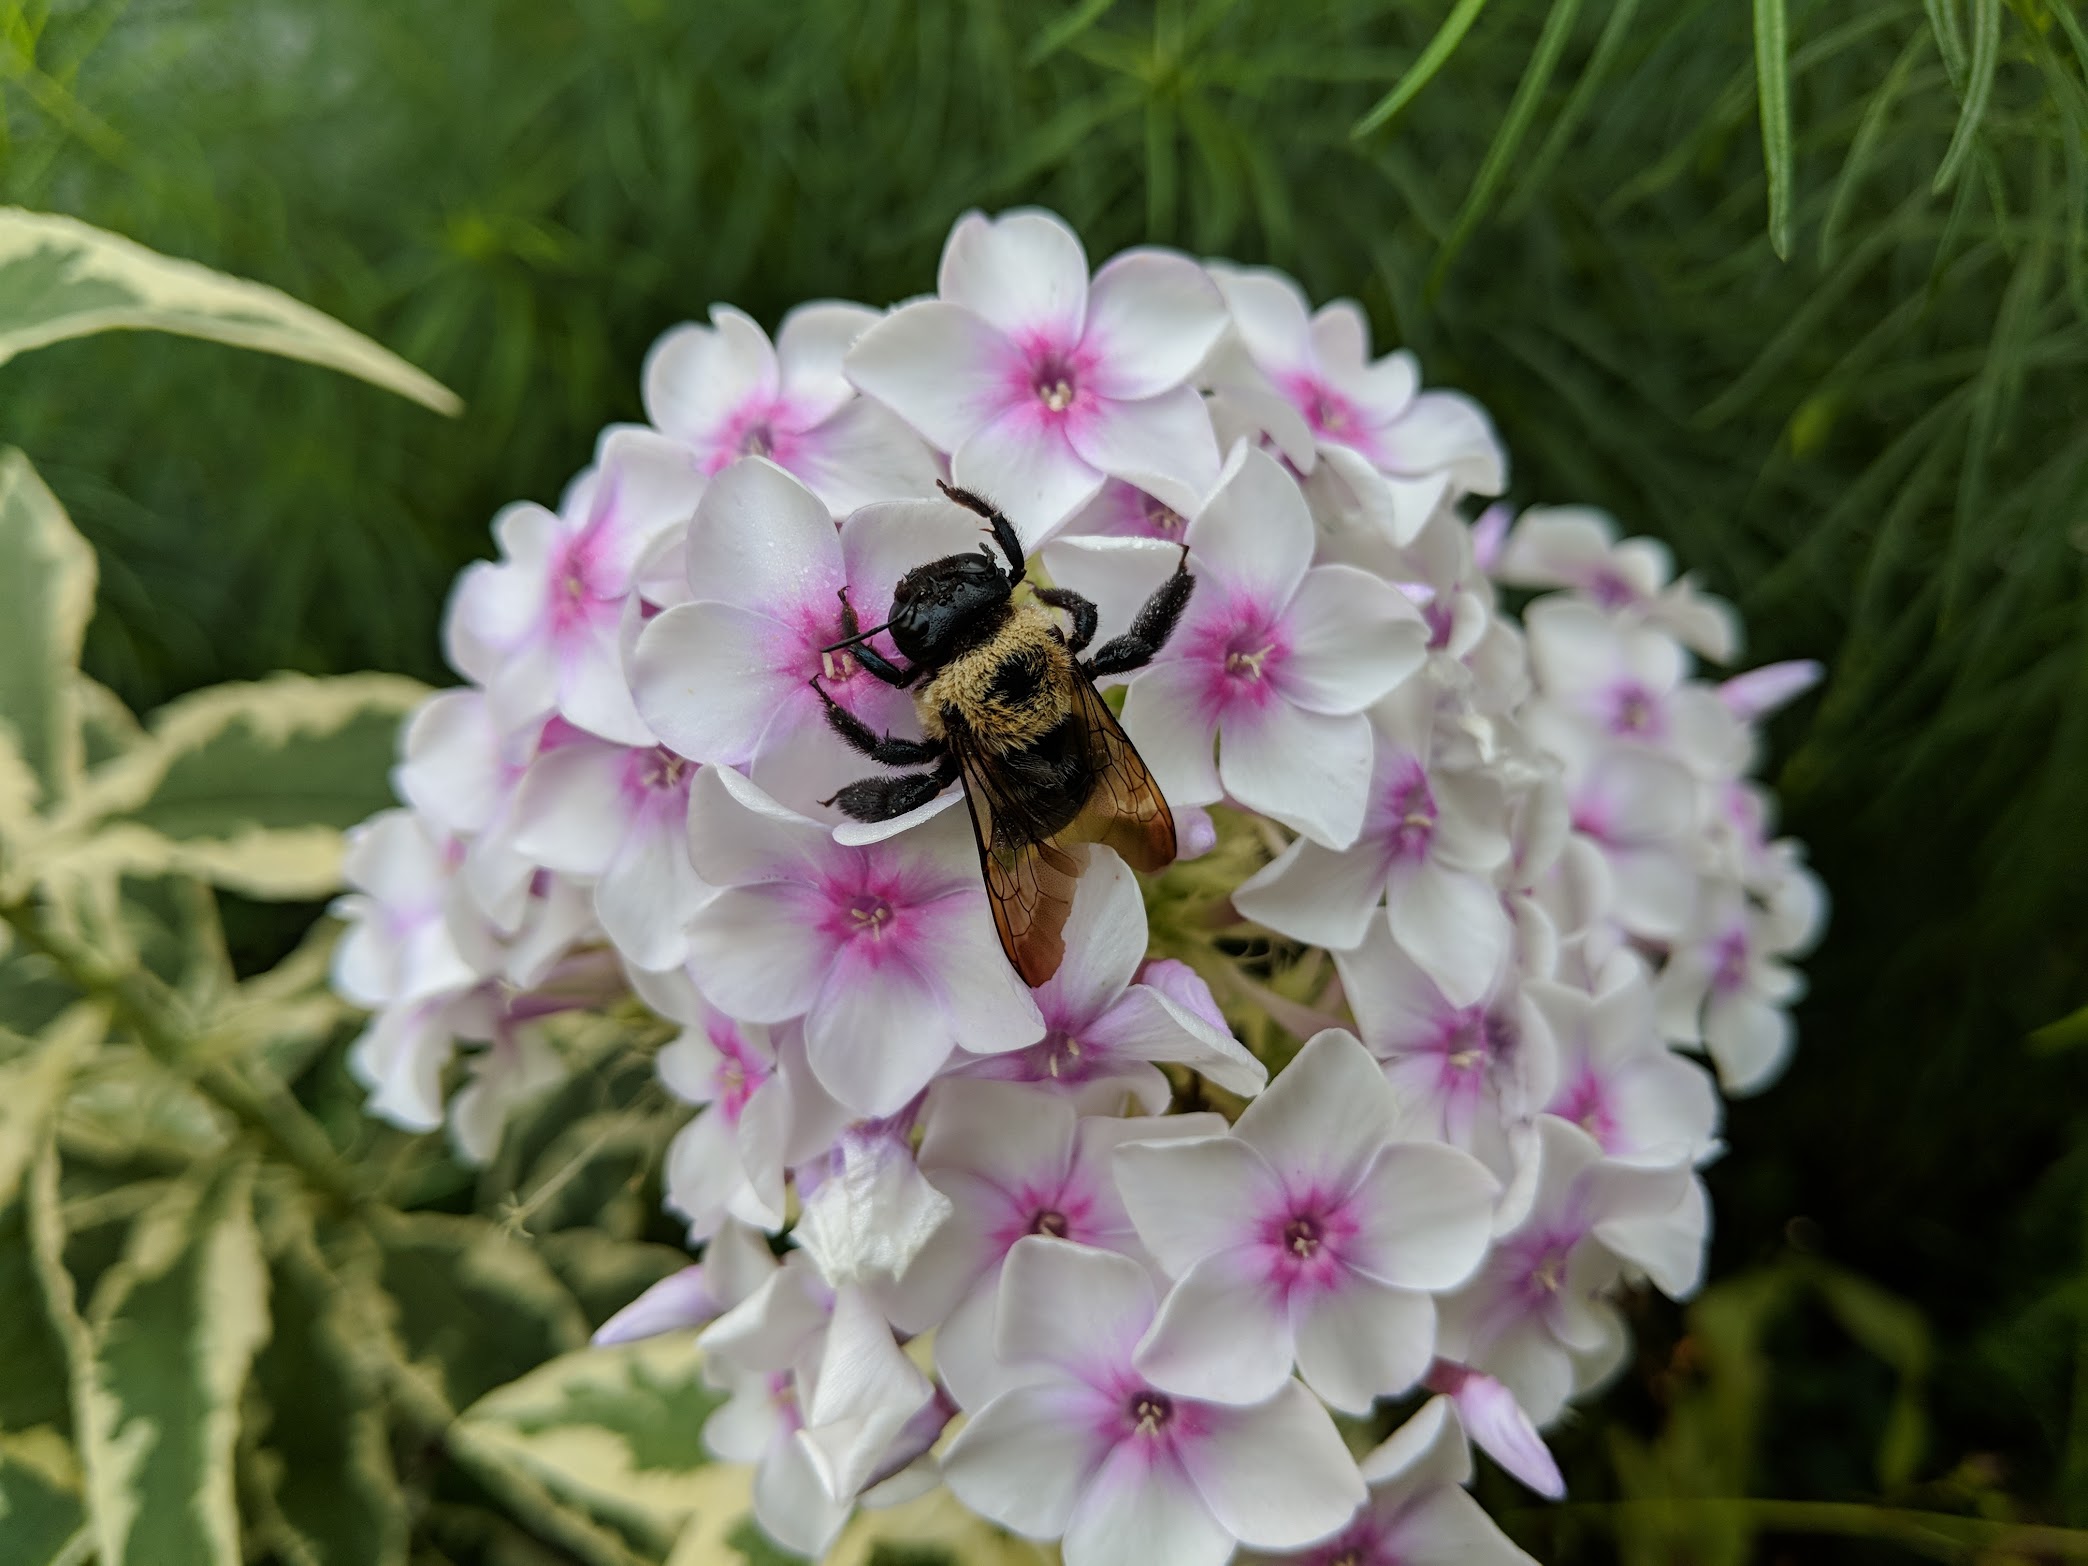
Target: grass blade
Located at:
point(1979, 86)
point(1864, 146)
point(1614, 31)
point(1773, 92)
point(1522, 109)
point(1422, 71)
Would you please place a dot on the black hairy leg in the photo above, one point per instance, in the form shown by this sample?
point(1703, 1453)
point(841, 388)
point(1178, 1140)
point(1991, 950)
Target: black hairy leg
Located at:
point(888, 749)
point(880, 799)
point(868, 658)
point(1085, 615)
point(1150, 628)
point(1003, 529)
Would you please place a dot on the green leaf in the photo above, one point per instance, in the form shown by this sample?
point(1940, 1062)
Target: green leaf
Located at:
point(62, 278)
point(1773, 93)
point(472, 1307)
point(33, 1371)
point(43, 1520)
point(1423, 70)
point(1978, 88)
point(617, 1430)
point(604, 1273)
point(332, 1485)
point(245, 785)
point(47, 579)
point(1507, 141)
point(175, 1325)
point(33, 1083)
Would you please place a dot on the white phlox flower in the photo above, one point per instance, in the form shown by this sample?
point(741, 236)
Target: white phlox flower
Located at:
point(1397, 1083)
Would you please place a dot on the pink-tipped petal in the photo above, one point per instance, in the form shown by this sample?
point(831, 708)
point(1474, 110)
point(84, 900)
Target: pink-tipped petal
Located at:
point(1152, 316)
point(1026, 272)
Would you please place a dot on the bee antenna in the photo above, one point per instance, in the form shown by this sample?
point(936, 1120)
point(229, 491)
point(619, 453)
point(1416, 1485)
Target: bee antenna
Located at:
point(850, 641)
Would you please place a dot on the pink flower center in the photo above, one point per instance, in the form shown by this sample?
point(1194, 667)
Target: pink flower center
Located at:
point(1052, 1222)
point(1241, 650)
point(1634, 710)
point(869, 916)
point(1586, 1103)
point(782, 1391)
point(740, 1071)
point(1160, 519)
point(1409, 814)
point(662, 769)
point(1610, 590)
point(1150, 1412)
point(1054, 381)
point(1729, 957)
point(755, 429)
point(1301, 1242)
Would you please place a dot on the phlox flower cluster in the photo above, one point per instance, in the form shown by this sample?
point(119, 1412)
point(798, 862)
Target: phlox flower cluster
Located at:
point(1076, 1252)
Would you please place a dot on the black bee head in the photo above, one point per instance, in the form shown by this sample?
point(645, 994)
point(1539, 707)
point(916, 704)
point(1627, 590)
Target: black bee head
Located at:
point(946, 605)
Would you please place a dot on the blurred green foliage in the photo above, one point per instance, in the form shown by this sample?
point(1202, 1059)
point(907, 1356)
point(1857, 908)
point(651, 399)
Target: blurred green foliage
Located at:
point(1877, 444)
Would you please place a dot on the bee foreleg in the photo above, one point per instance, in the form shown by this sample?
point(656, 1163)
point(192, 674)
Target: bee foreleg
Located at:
point(1003, 530)
point(886, 748)
point(880, 799)
point(1150, 628)
point(1085, 615)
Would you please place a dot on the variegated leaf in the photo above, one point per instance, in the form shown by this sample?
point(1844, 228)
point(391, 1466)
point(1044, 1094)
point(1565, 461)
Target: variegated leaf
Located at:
point(175, 1326)
point(62, 278)
point(445, 1279)
point(33, 1366)
point(43, 1517)
point(617, 1430)
point(47, 577)
point(244, 785)
point(605, 1273)
point(32, 1083)
point(334, 1495)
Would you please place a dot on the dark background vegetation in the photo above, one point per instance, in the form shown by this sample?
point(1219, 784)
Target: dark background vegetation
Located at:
point(1876, 444)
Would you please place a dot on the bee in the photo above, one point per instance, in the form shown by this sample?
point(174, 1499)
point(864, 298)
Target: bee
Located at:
point(1008, 704)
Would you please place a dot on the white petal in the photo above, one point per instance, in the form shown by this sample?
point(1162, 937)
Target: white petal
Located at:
point(1499, 1428)
point(1445, 431)
point(753, 952)
point(939, 366)
point(1105, 941)
point(594, 693)
point(1255, 533)
point(570, 812)
point(1446, 1527)
point(705, 680)
point(1117, 575)
point(695, 377)
point(1007, 1132)
point(866, 1391)
point(1079, 1310)
point(1669, 1249)
point(1162, 716)
point(1362, 1340)
point(1315, 894)
point(452, 770)
point(861, 454)
point(880, 543)
point(1222, 1334)
point(739, 834)
point(810, 344)
point(1275, 1476)
point(1324, 1118)
point(650, 486)
point(791, 1504)
point(1269, 313)
point(1147, 1023)
point(1749, 1040)
point(1024, 271)
point(1308, 770)
point(1152, 316)
point(874, 1037)
point(1140, 1510)
point(1025, 1458)
point(1194, 1198)
point(1352, 639)
point(1026, 467)
point(678, 1301)
point(1453, 925)
point(1395, 1003)
point(649, 891)
point(1162, 444)
point(1427, 1216)
point(762, 540)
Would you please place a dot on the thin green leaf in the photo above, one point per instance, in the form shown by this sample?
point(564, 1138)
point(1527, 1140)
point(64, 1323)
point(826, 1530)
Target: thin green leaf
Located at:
point(1067, 28)
point(1979, 86)
point(62, 278)
point(1773, 95)
point(1507, 141)
point(1423, 70)
point(1616, 29)
point(1864, 146)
